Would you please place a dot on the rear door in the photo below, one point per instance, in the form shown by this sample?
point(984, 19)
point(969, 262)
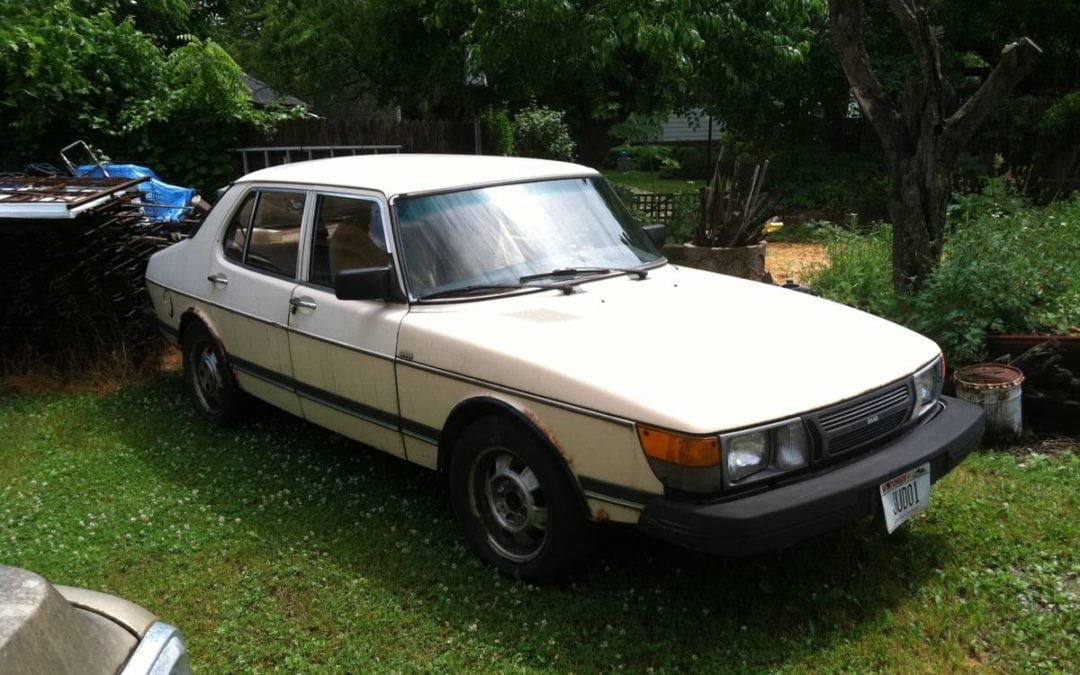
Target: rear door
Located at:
point(343, 350)
point(252, 276)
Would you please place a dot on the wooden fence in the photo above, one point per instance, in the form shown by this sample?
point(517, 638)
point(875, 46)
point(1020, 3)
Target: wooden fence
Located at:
point(665, 207)
point(438, 136)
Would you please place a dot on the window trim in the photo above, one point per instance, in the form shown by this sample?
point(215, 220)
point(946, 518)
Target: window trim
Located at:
point(309, 238)
point(259, 190)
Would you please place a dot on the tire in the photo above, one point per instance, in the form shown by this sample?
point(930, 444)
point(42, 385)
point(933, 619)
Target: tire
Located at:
point(210, 381)
point(517, 502)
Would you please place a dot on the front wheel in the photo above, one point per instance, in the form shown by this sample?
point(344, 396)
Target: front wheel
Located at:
point(516, 502)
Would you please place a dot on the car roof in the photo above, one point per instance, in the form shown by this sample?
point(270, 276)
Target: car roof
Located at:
point(398, 174)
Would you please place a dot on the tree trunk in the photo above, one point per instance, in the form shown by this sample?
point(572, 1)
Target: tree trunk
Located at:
point(595, 139)
point(918, 194)
point(922, 135)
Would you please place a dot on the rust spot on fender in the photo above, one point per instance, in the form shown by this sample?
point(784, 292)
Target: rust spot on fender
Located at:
point(202, 316)
point(601, 515)
point(539, 424)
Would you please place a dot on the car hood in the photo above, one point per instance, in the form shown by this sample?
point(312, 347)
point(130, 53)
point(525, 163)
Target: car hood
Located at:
point(682, 349)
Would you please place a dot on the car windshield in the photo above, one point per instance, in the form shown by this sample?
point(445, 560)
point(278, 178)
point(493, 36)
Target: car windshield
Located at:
point(498, 238)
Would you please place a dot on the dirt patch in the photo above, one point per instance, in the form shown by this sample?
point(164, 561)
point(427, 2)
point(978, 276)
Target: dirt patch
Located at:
point(793, 260)
point(1050, 446)
point(102, 375)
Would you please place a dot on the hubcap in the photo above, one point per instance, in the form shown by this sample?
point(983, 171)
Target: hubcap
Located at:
point(208, 377)
point(507, 498)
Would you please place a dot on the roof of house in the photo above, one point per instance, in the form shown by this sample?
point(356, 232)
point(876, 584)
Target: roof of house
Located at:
point(397, 174)
point(264, 94)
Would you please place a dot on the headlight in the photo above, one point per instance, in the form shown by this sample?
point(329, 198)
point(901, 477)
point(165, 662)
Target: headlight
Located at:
point(708, 463)
point(765, 451)
point(928, 383)
point(746, 455)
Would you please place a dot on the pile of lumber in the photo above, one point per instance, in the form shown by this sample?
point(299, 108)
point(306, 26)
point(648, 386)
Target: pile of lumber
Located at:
point(1051, 385)
point(73, 276)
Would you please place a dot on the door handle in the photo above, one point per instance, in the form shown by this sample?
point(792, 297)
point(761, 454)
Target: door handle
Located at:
point(218, 279)
point(302, 303)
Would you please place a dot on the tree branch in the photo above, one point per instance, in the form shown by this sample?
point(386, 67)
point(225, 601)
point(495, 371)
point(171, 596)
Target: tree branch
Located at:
point(905, 16)
point(846, 28)
point(1017, 60)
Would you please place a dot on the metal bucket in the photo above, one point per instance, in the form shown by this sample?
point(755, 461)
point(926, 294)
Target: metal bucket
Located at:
point(995, 387)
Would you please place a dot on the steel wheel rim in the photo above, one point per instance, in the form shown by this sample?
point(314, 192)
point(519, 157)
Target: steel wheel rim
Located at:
point(207, 377)
point(506, 497)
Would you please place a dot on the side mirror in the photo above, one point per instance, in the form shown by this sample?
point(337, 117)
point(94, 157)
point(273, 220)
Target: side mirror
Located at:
point(367, 283)
point(657, 234)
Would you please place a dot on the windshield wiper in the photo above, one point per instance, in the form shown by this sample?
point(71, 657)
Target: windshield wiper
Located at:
point(479, 288)
point(641, 273)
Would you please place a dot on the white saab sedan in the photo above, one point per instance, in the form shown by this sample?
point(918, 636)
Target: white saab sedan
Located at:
point(508, 323)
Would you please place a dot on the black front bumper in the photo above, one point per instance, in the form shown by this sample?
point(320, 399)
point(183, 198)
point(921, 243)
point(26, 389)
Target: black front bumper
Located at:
point(790, 513)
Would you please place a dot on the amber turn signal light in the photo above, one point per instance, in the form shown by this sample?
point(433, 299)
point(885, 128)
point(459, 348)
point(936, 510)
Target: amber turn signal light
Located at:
point(679, 449)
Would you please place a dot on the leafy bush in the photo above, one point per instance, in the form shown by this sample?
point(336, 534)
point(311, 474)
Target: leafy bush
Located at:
point(812, 178)
point(65, 75)
point(649, 157)
point(692, 163)
point(680, 229)
point(197, 114)
point(541, 132)
point(497, 133)
point(860, 273)
point(1012, 268)
point(1008, 267)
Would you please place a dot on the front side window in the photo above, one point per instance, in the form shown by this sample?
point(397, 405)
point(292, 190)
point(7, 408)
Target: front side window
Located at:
point(264, 232)
point(348, 234)
point(237, 232)
point(499, 235)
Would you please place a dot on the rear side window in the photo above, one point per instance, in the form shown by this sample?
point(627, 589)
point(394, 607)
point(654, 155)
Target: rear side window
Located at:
point(265, 232)
point(348, 234)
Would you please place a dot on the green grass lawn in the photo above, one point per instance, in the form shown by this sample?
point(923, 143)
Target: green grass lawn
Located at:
point(650, 181)
point(277, 546)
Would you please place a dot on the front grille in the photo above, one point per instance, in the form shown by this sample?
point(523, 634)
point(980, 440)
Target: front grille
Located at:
point(856, 424)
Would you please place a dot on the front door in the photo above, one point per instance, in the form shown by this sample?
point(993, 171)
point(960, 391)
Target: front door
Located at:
point(343, 350)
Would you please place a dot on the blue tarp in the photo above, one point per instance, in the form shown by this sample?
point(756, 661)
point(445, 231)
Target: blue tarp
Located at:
point(161, 201)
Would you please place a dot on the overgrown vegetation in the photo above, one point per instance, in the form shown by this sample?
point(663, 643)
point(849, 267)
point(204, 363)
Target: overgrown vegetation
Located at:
point(279, 546)
point(1009, 267)
point(89, 71)
point(541, 132)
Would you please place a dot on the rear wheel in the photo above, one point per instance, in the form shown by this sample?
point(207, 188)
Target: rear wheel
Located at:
point(516, 502)
point(209, 379)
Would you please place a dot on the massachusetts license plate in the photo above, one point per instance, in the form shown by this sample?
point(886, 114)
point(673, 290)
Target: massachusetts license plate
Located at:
point(904, 496)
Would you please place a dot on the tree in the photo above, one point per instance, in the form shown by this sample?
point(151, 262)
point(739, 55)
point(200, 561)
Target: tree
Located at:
point(87, 71)
point(922, 134)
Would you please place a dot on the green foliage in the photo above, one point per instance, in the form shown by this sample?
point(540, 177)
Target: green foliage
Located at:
point(835, 183)
point(1009, 267)
point(541, 132)
point(690, 163)
point(860, 273)
point(64, 75)
point(1063, 118)
point(200, 110)
point(649, 157)
point(650, 181)
point(497, 132)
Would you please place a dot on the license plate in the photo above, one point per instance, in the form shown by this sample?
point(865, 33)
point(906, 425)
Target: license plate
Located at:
point(906, 495)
